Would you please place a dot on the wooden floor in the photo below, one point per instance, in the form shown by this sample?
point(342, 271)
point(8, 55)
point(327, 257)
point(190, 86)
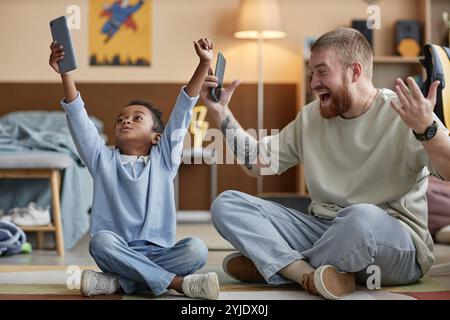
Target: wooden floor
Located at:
point(44, 272)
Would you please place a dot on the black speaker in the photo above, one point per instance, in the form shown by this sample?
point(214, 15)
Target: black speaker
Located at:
point(361, 26)
point(408, 37)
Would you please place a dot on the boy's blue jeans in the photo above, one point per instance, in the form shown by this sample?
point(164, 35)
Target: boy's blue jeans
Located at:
point(273, 237)
point(142, 265)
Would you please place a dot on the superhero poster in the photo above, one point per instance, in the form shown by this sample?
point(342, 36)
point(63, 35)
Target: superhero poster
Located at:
point(120, 32)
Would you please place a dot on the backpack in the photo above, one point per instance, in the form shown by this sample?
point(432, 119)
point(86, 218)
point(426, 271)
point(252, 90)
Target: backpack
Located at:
point(437, 64)
point(12, 239)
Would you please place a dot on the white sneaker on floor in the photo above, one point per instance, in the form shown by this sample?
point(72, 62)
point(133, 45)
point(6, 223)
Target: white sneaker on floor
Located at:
point(96, 283)
point(205, 286)
point(30, 215)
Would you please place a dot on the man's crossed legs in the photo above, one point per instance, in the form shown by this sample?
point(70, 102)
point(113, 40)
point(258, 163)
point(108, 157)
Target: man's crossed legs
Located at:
point(325, 256)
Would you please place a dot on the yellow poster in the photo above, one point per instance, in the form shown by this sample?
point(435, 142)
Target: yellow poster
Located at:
point(120, 32)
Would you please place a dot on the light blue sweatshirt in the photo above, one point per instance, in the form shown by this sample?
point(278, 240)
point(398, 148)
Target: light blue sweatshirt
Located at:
point(135, 205)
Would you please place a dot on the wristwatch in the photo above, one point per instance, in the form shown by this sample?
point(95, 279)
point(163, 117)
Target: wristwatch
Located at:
point(428, 134)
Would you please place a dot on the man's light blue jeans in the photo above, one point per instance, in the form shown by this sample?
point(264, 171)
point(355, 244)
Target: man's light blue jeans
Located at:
point(143, 266)
point(274, 236)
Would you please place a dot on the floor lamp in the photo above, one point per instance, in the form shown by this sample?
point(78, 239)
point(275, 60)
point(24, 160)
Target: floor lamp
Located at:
point(259, 20)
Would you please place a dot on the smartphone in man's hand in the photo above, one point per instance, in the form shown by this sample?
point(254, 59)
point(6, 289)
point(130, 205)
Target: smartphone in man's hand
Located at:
point(219, 73)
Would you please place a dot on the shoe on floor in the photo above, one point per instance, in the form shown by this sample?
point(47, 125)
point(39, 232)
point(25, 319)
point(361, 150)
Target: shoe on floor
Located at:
point(241, 268)
point(328, 282)
point(205, 286)
point(30, 215)
point(96, 283)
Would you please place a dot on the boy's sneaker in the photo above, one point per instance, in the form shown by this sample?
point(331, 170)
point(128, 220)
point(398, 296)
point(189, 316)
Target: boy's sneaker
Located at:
point(205, 286)
point(328, 282)
point(241, 268)
point(95, 283)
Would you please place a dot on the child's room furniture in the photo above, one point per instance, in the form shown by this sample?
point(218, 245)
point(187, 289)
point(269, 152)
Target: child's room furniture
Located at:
point(39, 165)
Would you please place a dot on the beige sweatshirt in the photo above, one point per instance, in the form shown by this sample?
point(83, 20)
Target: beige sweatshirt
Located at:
point(374, 158)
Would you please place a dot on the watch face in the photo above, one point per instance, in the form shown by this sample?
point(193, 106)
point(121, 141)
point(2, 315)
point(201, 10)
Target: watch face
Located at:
point(431, 132)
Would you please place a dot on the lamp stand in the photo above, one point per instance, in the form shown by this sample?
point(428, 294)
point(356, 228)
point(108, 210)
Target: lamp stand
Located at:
point(259, 181)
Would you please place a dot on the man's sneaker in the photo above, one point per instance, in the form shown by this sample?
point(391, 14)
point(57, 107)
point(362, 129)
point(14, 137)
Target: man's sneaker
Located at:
point(241, 268)
point(95, 283)
point(205, 286)
point(328, 282)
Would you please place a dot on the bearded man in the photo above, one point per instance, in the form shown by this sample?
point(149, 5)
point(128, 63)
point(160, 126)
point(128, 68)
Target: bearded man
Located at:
point(367, 154)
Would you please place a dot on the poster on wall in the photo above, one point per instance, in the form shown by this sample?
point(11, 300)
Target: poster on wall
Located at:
point(120, 32)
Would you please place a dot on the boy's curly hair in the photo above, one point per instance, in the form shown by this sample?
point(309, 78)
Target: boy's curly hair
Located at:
point(156, 113)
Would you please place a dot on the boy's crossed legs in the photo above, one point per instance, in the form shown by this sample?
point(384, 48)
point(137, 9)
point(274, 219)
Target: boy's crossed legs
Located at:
point(138, 267)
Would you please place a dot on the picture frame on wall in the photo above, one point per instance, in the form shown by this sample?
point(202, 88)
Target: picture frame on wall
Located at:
point(120, 32)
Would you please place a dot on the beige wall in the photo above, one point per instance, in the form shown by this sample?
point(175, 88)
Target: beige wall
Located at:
point(25, 37)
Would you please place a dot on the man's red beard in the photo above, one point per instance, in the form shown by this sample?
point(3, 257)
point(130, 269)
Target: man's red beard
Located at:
point(341, 102)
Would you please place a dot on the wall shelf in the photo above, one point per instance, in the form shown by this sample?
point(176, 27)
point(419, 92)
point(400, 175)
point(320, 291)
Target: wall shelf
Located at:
point(396, 59)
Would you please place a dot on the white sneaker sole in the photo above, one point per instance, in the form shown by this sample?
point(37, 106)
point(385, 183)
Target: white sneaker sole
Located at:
point(214, 288)
point(342, 282)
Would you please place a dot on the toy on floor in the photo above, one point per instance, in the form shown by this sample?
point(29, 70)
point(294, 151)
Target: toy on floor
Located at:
point(12, 239)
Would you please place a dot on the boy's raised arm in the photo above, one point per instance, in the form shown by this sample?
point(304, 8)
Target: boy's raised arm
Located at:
point(57, 54)
point(204, 50)
point(171, 142)
point(83, 131)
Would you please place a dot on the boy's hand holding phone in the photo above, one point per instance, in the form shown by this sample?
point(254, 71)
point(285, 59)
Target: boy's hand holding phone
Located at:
point(62, 56)
point(57, 54)
point(61, 34)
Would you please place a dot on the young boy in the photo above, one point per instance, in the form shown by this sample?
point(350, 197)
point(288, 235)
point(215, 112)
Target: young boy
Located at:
point(133, 211)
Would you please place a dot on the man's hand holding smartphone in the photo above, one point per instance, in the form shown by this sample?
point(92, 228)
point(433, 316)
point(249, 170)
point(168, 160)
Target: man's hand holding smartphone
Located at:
point(214, 95)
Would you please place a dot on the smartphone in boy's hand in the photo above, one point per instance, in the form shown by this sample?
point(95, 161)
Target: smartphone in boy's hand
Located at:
point(219, 73)
point(66, 59)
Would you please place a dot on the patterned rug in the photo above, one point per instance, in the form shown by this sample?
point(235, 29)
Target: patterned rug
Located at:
point(19, 282)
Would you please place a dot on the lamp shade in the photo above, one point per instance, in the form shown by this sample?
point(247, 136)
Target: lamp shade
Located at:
point(259, 19)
